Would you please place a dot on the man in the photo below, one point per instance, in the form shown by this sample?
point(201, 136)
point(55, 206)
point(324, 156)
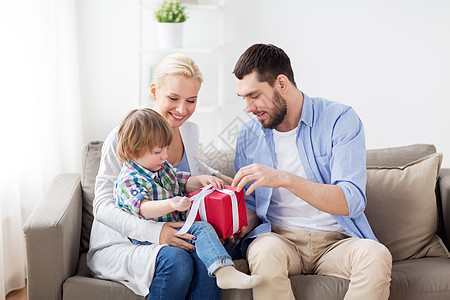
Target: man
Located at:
point(302, 165)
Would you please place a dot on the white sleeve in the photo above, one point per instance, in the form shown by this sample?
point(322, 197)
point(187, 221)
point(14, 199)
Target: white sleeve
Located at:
point(104, 208)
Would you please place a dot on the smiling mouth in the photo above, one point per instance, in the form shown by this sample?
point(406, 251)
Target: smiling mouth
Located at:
point(177, 117)
point(259, 115)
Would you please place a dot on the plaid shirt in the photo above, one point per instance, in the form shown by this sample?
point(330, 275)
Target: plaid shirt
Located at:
point(136, 183)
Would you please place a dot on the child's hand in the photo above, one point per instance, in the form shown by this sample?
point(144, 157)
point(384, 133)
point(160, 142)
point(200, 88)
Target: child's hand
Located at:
point(215, 181)
point(180, 203)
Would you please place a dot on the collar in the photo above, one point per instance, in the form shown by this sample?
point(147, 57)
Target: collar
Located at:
point(146, 172)
point(307, 111)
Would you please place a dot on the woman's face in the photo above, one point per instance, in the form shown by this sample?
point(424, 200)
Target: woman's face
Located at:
point(176, 98)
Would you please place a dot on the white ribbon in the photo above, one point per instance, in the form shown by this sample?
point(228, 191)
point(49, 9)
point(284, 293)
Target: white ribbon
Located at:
point(198, 205)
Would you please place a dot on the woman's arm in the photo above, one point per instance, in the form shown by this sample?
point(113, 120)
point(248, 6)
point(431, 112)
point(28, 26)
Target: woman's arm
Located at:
point(104, 208)
point(227, 179)
point(107, 212)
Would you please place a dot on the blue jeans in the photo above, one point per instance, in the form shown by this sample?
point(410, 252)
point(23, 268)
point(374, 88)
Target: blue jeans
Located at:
point(180, 274)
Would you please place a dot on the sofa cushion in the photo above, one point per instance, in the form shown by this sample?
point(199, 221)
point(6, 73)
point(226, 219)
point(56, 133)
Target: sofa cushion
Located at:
point(398, 156)
point(401, 208)
point(81, 287)
point(90, 164)
point(418, 279)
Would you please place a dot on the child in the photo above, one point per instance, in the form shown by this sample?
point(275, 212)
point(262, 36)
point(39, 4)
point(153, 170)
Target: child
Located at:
point(149, 187)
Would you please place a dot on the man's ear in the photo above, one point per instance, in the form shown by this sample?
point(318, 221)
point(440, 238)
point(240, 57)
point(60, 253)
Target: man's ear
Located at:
point(282, 82)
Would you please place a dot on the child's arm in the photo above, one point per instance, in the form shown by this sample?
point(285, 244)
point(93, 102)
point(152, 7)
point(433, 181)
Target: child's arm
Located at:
point(153, 209)
point(196, 182)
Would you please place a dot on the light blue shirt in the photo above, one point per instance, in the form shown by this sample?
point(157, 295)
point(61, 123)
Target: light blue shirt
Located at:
point(331, 145)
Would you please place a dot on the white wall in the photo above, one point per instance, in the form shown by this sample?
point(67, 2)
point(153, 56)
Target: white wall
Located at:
point(388, 59)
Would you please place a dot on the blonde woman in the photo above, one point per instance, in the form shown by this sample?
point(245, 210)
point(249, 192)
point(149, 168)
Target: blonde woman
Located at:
point(174, 271)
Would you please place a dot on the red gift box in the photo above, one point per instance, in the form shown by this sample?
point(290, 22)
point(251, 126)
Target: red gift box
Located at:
point(219, 211)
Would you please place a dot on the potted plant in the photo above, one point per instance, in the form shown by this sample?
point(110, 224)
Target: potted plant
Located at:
point(170, 16)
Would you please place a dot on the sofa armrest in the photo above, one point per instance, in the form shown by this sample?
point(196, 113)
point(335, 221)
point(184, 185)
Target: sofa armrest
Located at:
point(444, 186)
point(52, 235)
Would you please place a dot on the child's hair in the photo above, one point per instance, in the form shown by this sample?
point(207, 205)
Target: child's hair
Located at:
point(176, 64)
point(142, 130)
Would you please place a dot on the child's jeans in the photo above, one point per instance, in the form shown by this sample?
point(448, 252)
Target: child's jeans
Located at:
point(207, 246)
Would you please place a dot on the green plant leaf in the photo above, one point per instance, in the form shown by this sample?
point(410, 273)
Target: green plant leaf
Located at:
point(171, 11)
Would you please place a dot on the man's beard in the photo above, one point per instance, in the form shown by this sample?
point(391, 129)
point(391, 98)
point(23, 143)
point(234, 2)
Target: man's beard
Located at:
point(278, 113)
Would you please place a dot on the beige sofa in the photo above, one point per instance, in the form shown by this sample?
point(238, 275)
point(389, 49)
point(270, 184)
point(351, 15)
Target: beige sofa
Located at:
point(408, 207)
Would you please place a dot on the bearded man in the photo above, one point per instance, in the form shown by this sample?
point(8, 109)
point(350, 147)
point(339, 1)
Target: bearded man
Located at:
point(302, 164)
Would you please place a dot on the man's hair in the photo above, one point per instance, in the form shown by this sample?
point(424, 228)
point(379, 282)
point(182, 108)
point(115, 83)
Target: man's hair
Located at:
point(176, 64)
point(267, 60)
point(142, 130)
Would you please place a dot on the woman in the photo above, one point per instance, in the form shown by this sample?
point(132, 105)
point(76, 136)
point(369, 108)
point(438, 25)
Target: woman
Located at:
point(174, 271)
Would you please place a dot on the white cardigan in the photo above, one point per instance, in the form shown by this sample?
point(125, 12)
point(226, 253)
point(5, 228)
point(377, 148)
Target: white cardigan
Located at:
point(111, 255)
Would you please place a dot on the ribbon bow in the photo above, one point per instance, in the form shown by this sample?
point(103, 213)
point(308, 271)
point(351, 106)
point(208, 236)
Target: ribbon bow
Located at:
point(198, 205)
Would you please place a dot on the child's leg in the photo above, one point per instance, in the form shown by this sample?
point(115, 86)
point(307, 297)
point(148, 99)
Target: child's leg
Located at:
point(216, 259)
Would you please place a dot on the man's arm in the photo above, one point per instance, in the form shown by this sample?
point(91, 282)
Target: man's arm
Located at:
point(325, 197)
point(343, 194)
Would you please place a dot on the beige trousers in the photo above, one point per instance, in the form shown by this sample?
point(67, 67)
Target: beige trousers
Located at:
point(283, 252)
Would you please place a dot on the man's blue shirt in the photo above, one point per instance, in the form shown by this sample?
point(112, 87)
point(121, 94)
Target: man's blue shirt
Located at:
point(331, 145)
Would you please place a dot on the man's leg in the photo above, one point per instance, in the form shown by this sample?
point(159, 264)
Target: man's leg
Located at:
point(274, 258)
point(366, 263)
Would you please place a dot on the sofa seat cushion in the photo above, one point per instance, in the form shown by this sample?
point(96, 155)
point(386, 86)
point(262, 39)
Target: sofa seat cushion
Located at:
point(305, 287)
point(81, 287)
point(423, 278)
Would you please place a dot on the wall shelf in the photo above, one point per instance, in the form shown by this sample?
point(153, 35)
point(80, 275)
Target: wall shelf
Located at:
point(149, 54)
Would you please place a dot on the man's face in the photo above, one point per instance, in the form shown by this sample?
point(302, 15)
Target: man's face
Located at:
point(262, 100)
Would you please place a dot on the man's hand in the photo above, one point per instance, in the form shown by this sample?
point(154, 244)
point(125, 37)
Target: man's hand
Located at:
point(325, 197)
point(168, 236)
point(261, 175)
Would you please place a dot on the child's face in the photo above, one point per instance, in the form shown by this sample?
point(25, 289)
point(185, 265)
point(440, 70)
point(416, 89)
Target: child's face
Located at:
point(153, 159)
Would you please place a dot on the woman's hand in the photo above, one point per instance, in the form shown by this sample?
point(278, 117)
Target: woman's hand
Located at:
point(215, 181)
point(168, 236)
point(235, 237)
point(196, 182)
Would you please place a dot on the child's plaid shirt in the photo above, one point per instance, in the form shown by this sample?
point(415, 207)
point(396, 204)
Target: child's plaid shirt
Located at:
point(136, 183)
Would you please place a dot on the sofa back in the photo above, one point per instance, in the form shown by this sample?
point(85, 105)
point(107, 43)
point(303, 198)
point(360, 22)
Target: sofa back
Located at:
point(223, 161)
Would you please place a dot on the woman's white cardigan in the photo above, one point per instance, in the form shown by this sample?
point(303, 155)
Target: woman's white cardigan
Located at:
point(111, 255)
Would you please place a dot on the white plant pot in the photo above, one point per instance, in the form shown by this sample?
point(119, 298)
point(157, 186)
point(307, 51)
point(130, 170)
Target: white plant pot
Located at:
point(170, 35)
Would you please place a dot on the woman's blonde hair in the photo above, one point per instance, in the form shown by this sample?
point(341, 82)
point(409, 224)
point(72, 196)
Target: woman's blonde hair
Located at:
point(176, 64)
point(142, 130)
